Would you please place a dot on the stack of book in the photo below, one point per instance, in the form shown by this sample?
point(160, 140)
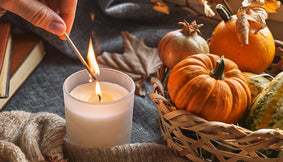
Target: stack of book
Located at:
point(20, 54)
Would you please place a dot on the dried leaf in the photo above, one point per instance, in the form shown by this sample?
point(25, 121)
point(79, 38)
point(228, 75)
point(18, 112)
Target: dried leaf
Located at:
point(264, 31)
point(160, 6)
point(247, 3)
point(242, 28)
point(207, 8)
point(257, 17)
point(270, 6)
point(138, 61)
point(255, 12)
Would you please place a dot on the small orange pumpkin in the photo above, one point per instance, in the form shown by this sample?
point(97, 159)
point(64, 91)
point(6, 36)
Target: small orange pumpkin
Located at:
point(253, 57)
point(209, 87)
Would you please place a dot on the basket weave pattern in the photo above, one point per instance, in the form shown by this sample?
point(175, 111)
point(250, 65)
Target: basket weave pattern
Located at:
point(200, 140)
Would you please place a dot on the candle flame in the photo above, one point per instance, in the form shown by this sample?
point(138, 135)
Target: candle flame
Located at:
point(98, 91)
point(91, 60)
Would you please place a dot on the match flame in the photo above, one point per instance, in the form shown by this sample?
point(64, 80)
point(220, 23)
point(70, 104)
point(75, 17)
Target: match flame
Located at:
point(91, 60)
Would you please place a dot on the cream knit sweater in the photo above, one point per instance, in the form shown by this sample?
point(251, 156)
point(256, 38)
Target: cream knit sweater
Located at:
point(38, 137)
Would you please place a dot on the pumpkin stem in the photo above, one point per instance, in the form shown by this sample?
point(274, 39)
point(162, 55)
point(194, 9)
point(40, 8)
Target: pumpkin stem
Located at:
point(223, 12)
point(190, 29)
point(218, 72)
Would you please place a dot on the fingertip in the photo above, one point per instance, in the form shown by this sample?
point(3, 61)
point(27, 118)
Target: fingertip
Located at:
point(57, 28)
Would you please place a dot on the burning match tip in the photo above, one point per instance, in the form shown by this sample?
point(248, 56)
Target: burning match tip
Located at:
point(79, 55)
point(93, 77)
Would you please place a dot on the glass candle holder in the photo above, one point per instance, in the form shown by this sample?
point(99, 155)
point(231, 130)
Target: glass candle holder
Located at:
point(91, 124)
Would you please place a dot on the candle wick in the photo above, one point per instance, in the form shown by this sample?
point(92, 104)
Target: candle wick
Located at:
point(99, 98)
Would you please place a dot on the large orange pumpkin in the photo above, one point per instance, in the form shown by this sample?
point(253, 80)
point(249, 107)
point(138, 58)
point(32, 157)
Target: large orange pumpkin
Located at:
point(253, 57)
point(209, 87)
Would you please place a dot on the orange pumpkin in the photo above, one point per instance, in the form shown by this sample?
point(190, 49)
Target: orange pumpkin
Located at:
point(209, 87)
point(253, 57)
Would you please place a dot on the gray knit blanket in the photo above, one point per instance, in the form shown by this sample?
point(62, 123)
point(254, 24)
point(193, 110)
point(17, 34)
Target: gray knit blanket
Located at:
point(34, 137)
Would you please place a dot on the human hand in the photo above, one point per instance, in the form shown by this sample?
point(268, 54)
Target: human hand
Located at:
point(55, 16)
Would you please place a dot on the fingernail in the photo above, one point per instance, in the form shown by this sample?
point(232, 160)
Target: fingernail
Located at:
point(57, 28)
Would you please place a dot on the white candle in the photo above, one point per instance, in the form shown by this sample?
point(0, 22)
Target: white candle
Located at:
point(110, 92)
point(93, 124)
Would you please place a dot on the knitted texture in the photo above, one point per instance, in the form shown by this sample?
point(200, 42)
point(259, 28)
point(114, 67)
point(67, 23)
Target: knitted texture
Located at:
point(34, 137)
point(136, 152)
point(30, 137)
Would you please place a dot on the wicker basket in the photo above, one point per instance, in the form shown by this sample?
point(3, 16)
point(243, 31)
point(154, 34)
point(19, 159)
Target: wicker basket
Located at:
point(200, 140)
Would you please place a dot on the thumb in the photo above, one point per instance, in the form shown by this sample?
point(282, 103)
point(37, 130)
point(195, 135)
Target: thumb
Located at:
point(39, 15)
